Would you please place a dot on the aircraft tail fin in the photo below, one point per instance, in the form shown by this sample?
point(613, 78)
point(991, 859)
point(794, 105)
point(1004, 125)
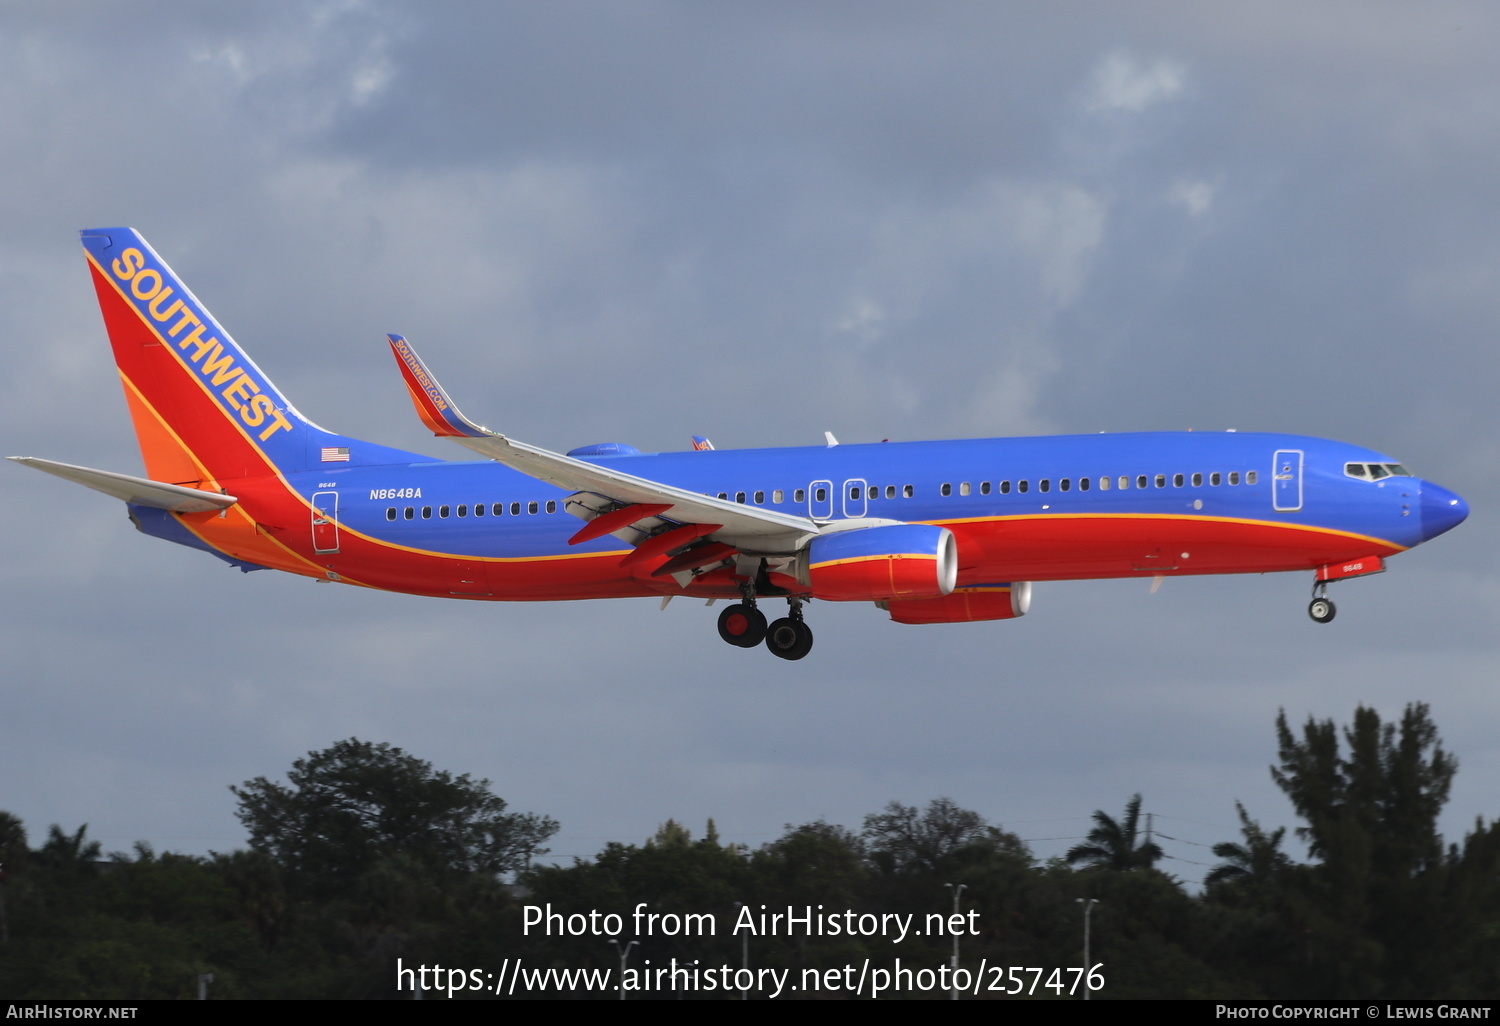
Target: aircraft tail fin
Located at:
point(203, 411)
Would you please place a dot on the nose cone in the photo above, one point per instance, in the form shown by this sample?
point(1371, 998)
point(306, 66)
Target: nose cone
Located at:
point(1441, 510)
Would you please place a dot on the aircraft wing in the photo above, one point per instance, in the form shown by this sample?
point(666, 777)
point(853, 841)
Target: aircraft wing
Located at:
point(136, 490)
point(751, 529)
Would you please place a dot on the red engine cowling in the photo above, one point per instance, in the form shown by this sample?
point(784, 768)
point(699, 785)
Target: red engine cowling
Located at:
point(874, 563)
point(982, 602)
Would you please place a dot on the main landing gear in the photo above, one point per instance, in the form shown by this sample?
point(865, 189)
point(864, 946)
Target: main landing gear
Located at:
point(744, 625)
point(1321, 608)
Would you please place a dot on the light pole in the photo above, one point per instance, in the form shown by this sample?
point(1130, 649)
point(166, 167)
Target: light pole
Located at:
point(624, 955)
point(956, 892)
point(1088, 908)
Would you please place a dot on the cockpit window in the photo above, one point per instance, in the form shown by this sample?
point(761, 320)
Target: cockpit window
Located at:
point(1375, 471)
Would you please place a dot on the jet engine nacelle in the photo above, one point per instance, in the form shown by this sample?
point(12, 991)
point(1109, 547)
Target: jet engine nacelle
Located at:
point(984, 602)
point(889, 562)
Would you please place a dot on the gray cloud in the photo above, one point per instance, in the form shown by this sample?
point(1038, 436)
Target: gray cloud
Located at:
point(642, 221)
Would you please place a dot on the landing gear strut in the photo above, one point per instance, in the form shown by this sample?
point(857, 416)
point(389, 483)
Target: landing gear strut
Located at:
point(744, 625)
point(789, 637)
point(1321, 608)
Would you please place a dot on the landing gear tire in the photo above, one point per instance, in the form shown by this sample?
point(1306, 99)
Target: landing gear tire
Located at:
point(789, 638)
point(1321, 610)
point(742, 625)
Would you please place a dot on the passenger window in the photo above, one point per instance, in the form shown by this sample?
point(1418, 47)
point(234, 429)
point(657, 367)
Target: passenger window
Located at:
point(1142, 481)
point(551, 505)
point(1104, 484)
point(463, 511)
point(947, 488)
point(1004, 487)
point(390, 514)
point(854, 492)
point(426, 512)
point(760, 498)
point(800, 495)
point(820, 495)
point(907, 491)
point(1234, 477)
point(984, 488)
point(1161, 480)
point(1021, 486)
point(1124, 482)
point(777, 495)
point(965, 489)
point(1215, 478)
point(409, 513)
point(443, 512)
point(1250, 477)
point(498, 509)
point(1176, 480)
point(890, 491)
point(515, 509)
point(1045, 485)
point(1197, 480)
point(1083, 484)
point(1064, 485)
point(874, 492)
point(479, 509)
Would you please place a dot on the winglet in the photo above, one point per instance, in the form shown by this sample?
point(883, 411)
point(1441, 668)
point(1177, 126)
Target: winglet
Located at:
point(433, 405)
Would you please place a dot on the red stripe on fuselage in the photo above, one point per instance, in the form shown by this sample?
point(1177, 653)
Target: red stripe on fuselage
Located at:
point(1059, 548)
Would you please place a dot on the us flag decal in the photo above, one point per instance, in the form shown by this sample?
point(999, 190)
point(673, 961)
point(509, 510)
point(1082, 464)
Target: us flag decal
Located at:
point(335, 454)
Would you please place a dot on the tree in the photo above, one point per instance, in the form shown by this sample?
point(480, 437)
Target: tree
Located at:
point(1112, 845)
point(904, 839)
point(349, 807)
point(69, 852)
point(1256, 862)
point(12, 850)
point(1379, 919)
point(1382, 802)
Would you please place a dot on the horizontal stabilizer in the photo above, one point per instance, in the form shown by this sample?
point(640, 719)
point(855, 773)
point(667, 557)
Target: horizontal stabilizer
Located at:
point(136, 490)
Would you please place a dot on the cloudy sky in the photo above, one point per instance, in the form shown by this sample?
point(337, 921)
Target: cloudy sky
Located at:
point(640, 221)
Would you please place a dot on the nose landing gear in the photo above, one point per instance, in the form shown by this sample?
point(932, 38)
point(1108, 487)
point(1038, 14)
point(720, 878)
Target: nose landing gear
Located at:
point(1321, 608)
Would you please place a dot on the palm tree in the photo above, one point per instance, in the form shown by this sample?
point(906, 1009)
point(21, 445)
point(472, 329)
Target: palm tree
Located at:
point(1112, 845)
point(1256, 861)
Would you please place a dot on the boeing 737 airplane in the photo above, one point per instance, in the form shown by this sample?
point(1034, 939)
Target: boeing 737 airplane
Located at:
point(930, 532)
